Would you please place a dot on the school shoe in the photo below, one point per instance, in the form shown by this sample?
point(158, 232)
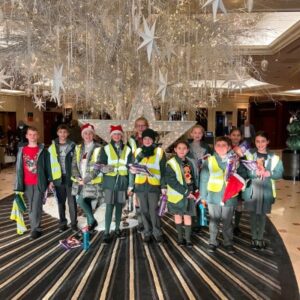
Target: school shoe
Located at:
point(181, 243)
point(212, 248)
point(120, 234)
point(74, 228)
point(260, 244)
point(93, 226)
point(35, 234)
point(189, 245)
point(63, 228)
point(106, 238)
point(159, 239)
point(229, 249)
point(254, 245)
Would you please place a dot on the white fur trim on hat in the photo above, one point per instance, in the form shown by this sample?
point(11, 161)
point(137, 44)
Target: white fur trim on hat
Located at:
point(116, 132)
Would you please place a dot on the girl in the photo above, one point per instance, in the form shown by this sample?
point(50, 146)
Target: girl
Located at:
point(115, 183)
point(148, 188)
point(261, 193)
point(86, 181)
point(181, 183)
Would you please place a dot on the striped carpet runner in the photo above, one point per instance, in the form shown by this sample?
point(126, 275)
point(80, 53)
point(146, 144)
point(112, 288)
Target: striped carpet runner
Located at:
point(130, 269)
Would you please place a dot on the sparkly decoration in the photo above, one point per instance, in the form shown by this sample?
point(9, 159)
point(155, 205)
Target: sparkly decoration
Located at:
point(57, 85)
point(213, 99)
point(142, 107)
point(163, 84)
point(216, 4)
point(169, 51)
point(148, 36)
point(38, 102)
point(3, 78)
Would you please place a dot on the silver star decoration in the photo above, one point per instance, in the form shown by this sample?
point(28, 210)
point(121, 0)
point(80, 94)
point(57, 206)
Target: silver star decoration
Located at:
point(39, 103)
point(163, 84)
point(212, 99)
point(148, 36)
point(3, 78)
point(142, 106)
point(238, 83)
point(249, 5)
point(57, 85)
point(216, 4)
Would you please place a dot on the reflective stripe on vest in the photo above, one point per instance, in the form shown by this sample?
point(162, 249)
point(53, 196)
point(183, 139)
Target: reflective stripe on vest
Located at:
point(216, 175)
point(55, 166)
point(274, 161)
point(114, 160)
point(152, 164)
point(132, 144)
point(93, 160)
point(173, 195)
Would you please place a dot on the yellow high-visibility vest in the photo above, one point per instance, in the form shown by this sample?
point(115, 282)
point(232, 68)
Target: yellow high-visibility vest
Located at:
point(55, 165)
point(118, 163)
point(93, 160)
point(173, 195)
point(216, 176)
point(152, 164)
point(274, 161)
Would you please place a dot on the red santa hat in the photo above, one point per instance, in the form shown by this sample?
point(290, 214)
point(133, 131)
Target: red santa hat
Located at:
point(87, 127)
point(235, 184)
point(116, 129)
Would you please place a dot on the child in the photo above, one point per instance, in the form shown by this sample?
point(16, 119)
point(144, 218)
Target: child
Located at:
point(212, 186)
point(235, 136)
point(116, 183)
point(181, 183)
point(86, 181)
point(33, 175)
point(261, 194)
point(197, 150)
point(134, 142)
point(61, 155)
point(148, 188)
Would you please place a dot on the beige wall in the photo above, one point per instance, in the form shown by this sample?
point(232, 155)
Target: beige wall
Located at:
point(22, 105)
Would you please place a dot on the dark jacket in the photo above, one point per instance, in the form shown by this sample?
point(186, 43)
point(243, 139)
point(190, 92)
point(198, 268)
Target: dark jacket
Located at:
point(116, 183)
point(172, 181)
point(43, 170)
point(68, 161)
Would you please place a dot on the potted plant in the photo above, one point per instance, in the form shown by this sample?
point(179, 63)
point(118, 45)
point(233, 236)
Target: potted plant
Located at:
point(291, 156)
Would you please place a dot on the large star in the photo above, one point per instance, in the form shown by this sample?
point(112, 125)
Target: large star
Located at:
point(148, 36)
point(142, 106)
point(216, 4)
point(3, 78)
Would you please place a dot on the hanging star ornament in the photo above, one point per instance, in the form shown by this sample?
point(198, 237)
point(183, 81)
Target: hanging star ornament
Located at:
point(142, 107)
point(169, 51)
point(148, 36)
point(39, 103)
point(3, 78)
point(163, 84)
point(216, 4)
point(57, 85)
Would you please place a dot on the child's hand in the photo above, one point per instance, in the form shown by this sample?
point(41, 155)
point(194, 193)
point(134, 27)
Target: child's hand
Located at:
point(203, 202)
point(191, 196)
point(81, 182)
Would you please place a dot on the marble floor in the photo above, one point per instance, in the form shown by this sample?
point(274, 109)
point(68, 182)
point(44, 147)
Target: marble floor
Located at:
point(285, 213)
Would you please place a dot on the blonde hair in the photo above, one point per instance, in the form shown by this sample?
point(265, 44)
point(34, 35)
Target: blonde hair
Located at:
point(198, 126)
point(142, 119)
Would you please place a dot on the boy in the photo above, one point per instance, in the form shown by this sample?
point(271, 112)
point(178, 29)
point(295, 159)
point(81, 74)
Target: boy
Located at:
point(115, 183)
point(33, 175)
point(212, 186)
point(61, 155)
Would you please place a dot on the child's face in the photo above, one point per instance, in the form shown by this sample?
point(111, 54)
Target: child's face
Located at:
point(261, 143)
point(140, 126)
point(32, 136)
point(62, 134)
point(235, 137)
point(88, 136)
point(197, 134)
point(147, 141)
point(181, 150)
point(116, 137)
point(222, 148)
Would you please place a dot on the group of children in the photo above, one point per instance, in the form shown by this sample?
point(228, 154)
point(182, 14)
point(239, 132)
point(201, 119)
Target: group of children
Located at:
point(80, 173)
